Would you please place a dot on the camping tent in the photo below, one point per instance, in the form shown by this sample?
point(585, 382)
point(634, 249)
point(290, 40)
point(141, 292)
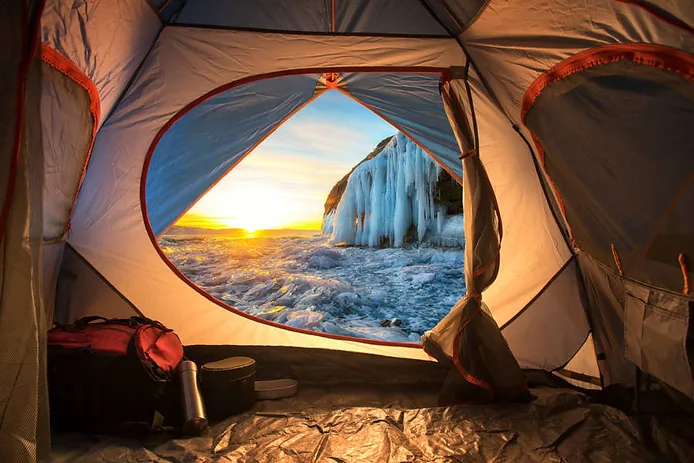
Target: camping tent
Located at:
point(571, 120)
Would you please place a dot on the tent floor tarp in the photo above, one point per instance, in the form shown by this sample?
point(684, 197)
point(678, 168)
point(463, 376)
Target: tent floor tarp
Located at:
point(342, 424)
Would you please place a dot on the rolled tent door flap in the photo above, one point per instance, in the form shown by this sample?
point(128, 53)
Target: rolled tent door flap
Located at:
point(483, 367)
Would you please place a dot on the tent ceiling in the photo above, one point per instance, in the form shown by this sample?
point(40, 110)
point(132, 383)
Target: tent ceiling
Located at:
point(376, 17)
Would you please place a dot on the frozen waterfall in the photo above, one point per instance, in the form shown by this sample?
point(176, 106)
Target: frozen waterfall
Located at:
point(387, 196)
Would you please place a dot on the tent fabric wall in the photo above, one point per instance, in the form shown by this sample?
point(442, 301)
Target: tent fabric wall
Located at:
point(52, 260)
point(514, 44)
point(533, 249)
point(628, 108)
point(606, 299)
point(107, 227)
point(673, 12)
point(582, 370)
point(106, 39)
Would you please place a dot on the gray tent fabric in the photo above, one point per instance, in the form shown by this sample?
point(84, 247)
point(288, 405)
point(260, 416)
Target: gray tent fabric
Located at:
point(378, 17)
point(484, 367)
point(546, 313)
point(24, 432)
point(632, 99)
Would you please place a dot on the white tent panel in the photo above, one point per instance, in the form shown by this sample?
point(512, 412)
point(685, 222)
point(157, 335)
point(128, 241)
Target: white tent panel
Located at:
point(533, 248)
point(106, 39)
point(585, 360)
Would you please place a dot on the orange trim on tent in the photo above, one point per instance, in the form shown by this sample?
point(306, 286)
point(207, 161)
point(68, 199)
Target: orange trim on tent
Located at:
point(658, 56)
point(207, 96)
point(668, 210)
point(332, 13)
point(685, 273)
point(678, 24)
point(74, 73)
point(459, 366)
point(30, 41)
point(617, 260)
point(332, 80)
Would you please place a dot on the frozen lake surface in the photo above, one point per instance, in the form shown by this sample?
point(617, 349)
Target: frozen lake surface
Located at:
point(308, 283)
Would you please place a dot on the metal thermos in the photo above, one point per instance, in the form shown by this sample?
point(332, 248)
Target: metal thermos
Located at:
point(194, 417)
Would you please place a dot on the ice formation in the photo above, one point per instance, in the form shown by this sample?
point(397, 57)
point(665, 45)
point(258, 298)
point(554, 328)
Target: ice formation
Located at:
point(388, 195)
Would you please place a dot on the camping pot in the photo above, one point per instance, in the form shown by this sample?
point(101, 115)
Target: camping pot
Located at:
point(194, 418)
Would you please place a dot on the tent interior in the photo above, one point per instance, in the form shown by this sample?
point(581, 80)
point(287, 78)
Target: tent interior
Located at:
point(566, 124)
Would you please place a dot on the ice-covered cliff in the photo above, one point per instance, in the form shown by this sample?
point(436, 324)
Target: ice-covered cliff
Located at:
point(398, 194)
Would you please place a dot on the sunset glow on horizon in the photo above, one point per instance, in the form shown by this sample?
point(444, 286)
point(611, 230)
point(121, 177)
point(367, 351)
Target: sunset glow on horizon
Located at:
point(285, 181)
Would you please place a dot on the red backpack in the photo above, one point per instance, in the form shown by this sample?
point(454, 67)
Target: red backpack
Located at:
point(105, 373)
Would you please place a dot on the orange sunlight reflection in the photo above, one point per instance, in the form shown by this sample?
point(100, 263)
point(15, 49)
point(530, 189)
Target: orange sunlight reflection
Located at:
point(260, 207)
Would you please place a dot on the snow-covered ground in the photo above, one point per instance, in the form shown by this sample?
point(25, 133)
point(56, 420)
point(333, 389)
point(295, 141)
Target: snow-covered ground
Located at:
point(309, 283)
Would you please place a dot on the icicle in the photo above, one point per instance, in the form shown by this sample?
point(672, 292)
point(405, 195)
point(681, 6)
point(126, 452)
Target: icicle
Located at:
point(386, 196)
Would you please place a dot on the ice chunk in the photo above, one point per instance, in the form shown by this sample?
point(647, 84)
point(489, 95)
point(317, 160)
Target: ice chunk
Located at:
point(324, 258)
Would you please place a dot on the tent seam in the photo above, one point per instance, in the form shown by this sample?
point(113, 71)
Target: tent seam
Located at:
point(156, 11)
point(652, 11)
point(310, 33)
point(70, 70)
point(540, 293)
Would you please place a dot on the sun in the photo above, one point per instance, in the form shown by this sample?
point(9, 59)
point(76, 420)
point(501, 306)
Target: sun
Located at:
point(259, 206)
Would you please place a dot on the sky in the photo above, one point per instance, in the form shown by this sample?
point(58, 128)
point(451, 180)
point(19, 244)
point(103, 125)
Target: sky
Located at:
point(284, 182)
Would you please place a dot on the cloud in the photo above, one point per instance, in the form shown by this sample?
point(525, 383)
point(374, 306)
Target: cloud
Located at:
point(325, 138)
